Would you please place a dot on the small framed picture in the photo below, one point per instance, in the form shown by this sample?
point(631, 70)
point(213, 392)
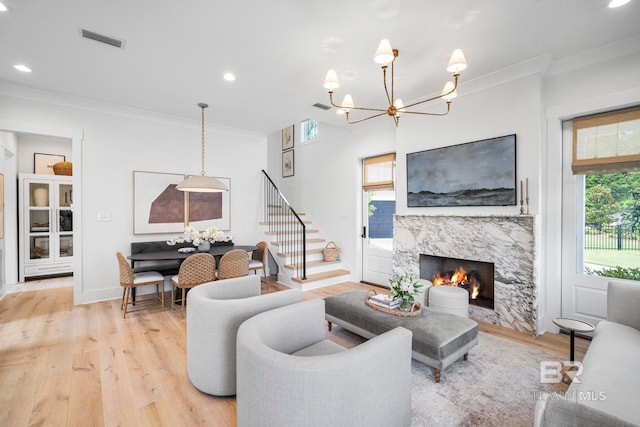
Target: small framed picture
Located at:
point(287, 138)
point(43, 163)
point(287, 163)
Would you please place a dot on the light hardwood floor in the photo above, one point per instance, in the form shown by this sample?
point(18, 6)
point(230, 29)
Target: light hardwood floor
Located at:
point(85, 365)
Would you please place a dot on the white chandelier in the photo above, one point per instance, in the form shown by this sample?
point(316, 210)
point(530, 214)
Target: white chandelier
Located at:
point(385, 55)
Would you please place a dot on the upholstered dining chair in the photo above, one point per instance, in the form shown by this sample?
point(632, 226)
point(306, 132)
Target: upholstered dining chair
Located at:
point(234, 263)
point(258, 260)
point(195, 270)
point(130, 280)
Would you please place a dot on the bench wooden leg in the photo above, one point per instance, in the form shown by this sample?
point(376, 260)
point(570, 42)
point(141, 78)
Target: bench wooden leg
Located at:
point(466, 356)
point(329, 325)
point(436, 373)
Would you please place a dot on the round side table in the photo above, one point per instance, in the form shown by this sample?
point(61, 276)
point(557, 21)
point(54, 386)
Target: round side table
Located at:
point(573, 326)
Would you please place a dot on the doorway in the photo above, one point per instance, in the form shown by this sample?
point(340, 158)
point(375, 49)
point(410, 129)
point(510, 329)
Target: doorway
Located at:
point(600, 212)
point(11, 130)
point(378, 208)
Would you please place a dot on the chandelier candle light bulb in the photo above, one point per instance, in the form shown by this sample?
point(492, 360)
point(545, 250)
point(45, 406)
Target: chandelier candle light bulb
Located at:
point(384, 55)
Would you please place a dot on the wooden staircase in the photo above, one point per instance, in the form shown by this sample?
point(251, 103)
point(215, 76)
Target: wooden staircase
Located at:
point(318, 273)
point(296, 244)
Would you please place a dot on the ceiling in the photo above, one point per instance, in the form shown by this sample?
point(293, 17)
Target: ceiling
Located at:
point(175, 53)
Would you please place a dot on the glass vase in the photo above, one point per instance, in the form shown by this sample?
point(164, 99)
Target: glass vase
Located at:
point(204, 247)
point(405, 304)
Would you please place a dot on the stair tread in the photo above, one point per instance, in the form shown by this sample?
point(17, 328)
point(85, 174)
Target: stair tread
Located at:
point(311, 264)
point(275, 233)
point(321, 276)
point(309, 251)
point(311, 240)
point(306, 221)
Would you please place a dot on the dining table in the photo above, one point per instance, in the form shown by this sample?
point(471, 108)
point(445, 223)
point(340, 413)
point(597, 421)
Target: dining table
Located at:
point(172, 254)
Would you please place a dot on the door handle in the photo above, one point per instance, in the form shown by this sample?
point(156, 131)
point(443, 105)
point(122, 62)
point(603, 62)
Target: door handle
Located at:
point(364, 232)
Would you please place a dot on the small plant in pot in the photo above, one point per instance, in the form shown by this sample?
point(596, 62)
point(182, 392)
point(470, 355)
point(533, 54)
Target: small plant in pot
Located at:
point(405, 288)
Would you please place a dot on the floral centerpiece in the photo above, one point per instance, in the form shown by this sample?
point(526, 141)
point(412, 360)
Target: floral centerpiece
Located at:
point(201, 239)
point(404, 288)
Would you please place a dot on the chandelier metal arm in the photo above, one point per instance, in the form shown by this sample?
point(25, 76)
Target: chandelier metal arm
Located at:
point(455, 86)
point(430, 114)
point(384, 80)
point(366, 118)
point(352, 108)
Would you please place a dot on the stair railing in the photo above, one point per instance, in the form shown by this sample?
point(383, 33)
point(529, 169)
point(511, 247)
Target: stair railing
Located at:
point(286, 225)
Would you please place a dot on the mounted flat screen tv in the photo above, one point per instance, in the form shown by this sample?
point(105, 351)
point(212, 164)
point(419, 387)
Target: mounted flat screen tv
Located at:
point(479, 173)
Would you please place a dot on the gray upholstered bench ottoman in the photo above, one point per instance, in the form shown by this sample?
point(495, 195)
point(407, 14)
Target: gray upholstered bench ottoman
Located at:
point(439, 339)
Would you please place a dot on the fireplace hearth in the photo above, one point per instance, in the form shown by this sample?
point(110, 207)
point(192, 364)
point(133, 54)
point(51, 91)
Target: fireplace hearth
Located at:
point(476, 277)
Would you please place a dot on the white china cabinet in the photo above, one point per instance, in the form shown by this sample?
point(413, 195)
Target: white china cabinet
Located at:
point(46, 225)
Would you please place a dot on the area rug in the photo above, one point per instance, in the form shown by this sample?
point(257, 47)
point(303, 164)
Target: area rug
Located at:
point(498, 385)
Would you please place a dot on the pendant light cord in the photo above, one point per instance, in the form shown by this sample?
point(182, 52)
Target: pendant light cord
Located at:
point(202, 106)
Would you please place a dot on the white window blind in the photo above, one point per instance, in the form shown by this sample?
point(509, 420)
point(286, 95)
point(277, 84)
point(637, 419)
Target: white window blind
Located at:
point(607, 142)
point(379, 172)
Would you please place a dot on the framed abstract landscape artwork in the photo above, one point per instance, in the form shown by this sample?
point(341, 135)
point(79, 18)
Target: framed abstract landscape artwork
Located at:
point(479, 173)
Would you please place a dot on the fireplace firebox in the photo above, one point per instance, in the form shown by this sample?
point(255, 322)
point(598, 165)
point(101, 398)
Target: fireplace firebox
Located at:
point(477, 277)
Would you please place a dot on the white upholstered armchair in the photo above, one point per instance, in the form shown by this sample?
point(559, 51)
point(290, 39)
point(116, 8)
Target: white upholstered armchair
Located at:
point(215, 310)
point(288, 374)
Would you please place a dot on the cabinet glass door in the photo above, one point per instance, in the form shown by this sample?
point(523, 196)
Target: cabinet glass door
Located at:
point(65, 195)
point(39, 247)
point(39, 195)
point(65, 245)
point(39, 221)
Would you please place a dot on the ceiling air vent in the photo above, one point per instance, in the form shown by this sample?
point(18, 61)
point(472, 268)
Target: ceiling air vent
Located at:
point(321, 106)
point(102, 38)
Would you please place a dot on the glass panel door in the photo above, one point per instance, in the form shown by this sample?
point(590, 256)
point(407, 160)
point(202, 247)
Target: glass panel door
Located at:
point(39, 195)
point(65, 246)
point(65, 195)
point(39, 247)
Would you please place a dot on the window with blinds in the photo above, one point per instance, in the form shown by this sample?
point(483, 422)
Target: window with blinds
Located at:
point(379, 172)
point(607, 142)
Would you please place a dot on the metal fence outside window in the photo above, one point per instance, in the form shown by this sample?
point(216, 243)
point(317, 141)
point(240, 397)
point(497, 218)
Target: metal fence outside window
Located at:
point(616, 237)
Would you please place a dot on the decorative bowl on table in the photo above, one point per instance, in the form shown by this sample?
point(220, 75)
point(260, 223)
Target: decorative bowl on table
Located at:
point(186, 250)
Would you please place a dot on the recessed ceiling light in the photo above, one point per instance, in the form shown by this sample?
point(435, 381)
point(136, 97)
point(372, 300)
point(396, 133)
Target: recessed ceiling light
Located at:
point(229, 77)
point(3, 8)
point(618, 3)
point(23, 68)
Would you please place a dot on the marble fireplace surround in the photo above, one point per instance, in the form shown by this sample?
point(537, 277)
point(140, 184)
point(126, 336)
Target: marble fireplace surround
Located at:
point(508, 241)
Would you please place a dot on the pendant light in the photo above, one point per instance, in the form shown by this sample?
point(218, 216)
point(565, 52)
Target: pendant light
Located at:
point(202, 183)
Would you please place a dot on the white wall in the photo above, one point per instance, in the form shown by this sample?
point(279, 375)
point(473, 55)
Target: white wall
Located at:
point(9, 245)
point(117, 141)
point(29, 144)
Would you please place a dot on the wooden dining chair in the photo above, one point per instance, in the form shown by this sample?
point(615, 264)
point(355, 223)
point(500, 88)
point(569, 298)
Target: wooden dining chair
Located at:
point(130, 280)
point(258, 260)
point(195, 270)
point(234, 263)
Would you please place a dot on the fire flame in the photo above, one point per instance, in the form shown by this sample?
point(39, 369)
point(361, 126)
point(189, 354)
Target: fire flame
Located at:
point(458, 277)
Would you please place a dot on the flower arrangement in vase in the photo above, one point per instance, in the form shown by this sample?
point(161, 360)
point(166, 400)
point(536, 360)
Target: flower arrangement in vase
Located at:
point(404, 288)
point(201, 239)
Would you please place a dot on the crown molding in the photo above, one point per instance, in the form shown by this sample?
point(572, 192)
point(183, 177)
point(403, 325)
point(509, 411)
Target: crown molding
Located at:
point(596, 55)
point(61, 100)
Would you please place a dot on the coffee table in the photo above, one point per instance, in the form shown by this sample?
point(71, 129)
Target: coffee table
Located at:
point(573, 326)
point(439, 339)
